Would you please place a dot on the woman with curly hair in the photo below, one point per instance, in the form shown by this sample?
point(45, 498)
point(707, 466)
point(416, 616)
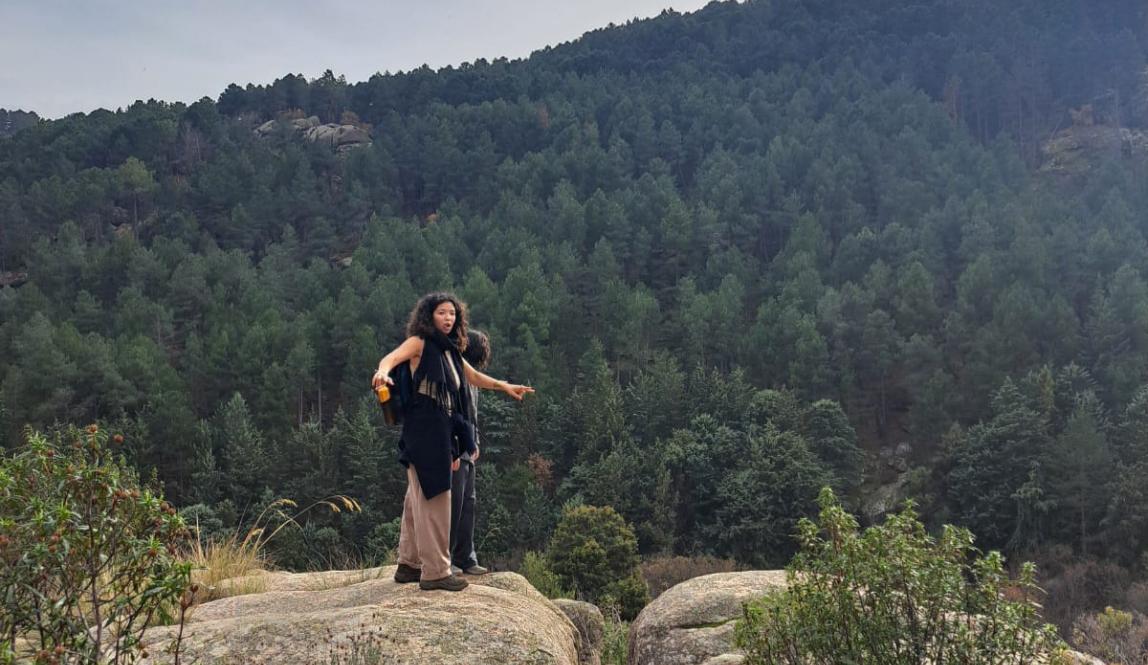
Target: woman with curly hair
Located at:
point(436, 430)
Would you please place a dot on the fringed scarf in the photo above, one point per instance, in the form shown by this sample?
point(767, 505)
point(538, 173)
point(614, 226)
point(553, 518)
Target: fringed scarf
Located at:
point(441, 376)
point(430, 429)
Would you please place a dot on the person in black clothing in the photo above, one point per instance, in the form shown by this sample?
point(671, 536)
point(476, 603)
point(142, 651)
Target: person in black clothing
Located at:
point(463, 558)
point(434, 424)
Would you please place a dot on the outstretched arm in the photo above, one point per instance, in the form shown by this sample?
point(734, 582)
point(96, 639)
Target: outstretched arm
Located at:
point(477, 378)
point(409, 349)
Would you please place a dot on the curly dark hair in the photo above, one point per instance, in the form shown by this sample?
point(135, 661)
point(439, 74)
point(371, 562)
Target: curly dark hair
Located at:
point(421, 321)
point(477, 349)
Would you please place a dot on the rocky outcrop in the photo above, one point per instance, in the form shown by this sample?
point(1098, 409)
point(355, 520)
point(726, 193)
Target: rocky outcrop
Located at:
point(694, 621)
point(295, 124)
point(339, 137)
point(884, 499)
point(587, 618)
point(725, 659)
point(1080, 149)
point(341, 616)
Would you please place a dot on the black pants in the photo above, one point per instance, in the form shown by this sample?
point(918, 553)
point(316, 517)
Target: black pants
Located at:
point(462, 496)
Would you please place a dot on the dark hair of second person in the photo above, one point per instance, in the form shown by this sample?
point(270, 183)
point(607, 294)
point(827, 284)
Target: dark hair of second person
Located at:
point(477, 351)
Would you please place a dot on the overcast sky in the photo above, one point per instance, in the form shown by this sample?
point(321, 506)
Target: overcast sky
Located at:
point(62, 56)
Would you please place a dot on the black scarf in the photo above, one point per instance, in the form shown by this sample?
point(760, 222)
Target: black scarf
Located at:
point(436, 425)
point(438, 350)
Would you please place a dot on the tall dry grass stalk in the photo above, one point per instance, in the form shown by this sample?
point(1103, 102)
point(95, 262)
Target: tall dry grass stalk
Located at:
point(227, 567)
point(234, 566)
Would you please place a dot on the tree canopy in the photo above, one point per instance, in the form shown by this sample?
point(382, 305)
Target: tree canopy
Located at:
point(740, 253)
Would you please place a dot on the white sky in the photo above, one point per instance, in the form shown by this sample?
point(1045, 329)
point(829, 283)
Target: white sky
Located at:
point(63, 56)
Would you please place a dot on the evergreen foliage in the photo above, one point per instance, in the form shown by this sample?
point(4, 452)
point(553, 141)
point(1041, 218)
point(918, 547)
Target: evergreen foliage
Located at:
point(594, 553)
point(893, 594)
point(739, 252)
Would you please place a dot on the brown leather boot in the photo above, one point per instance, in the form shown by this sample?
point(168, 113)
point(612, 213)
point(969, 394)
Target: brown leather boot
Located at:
point(405, 574)
point(448, 583)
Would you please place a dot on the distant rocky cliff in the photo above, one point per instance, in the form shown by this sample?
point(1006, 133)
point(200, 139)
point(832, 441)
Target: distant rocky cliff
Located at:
point(1082, 148)
point(340, 137)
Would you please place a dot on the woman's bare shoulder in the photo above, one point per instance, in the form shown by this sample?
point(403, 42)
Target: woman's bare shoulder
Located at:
point(412, 349)
point(414, 342)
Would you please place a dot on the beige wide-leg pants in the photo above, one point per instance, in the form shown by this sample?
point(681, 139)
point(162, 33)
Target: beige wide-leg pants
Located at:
point(424, 534)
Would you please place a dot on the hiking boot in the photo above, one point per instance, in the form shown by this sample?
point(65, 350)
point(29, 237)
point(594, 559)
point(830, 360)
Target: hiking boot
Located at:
point(405, 574)
point(475, 570)
point(448, 583)
point(455, 570)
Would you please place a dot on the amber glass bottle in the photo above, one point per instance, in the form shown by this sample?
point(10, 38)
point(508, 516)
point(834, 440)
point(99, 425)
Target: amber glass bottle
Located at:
point(390, 408)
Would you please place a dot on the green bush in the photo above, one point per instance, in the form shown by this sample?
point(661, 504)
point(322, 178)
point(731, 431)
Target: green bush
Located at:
point(89, 557)
point(383, 541)
point(595, 553)
point(895, 595)
point(204, 521)
point(615, 636)
point(1120, 637)
point(538, 573)
point(627, 595)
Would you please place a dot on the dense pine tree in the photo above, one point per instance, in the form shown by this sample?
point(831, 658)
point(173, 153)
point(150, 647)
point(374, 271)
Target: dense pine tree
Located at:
point(741, 253)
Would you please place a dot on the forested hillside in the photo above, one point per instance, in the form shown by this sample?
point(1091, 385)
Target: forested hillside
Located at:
point(13, 121)
point(741, 253)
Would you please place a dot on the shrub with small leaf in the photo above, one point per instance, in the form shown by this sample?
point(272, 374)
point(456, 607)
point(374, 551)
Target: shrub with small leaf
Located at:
point(895, 595)
point(1119, 637)
point(537, 571)
point(88, 557)
point(594, 553)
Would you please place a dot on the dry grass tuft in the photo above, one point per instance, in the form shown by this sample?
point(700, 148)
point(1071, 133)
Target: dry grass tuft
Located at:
point(236, 565)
